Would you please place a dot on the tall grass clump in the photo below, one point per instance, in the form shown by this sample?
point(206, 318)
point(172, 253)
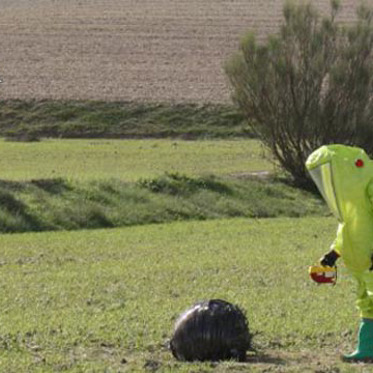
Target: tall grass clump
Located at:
point(34, 119)
point(60, 204)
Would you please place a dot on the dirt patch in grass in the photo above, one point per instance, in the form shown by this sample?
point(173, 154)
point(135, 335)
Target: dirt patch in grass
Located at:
point(320, 361)
point(275, 361)
point(163, 50)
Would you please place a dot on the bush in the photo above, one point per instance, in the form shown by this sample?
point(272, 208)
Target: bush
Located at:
point(309, 85)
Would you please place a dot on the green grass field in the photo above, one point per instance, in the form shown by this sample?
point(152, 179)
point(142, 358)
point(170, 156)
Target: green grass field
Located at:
point(106, 300)
point(128, 160)
point(75, 184)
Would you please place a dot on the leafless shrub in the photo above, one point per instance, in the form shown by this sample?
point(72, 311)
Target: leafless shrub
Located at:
point(309, 85)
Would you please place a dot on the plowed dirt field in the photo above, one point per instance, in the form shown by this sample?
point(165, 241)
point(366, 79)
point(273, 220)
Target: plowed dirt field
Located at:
point(144, 50)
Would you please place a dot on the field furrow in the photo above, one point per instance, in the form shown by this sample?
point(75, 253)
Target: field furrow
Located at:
point(146, 50)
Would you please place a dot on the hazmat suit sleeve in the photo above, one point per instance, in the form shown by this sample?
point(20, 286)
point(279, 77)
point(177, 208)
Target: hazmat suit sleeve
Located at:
point(370, 194)
point(337, 243)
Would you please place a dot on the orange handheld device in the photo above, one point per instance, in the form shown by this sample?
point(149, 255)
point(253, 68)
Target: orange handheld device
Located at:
point(323, 274)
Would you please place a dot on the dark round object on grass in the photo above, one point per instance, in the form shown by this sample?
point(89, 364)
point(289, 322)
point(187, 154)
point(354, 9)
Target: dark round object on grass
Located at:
point(211, 330)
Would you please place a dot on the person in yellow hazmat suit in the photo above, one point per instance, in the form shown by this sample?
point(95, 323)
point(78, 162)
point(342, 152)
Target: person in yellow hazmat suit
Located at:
point(344, 177)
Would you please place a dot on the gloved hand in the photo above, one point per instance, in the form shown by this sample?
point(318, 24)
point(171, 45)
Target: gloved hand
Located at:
point(329, 259)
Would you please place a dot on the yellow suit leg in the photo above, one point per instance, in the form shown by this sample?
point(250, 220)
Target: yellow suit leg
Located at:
point(365, 293)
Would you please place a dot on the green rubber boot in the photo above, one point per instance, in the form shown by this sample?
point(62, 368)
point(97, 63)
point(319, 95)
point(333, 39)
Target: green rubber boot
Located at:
point(364, 351)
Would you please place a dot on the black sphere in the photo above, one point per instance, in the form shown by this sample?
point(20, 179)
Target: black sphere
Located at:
point(211, 330)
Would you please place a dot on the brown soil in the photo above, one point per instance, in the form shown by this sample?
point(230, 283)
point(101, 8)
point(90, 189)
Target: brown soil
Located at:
point(147, 50)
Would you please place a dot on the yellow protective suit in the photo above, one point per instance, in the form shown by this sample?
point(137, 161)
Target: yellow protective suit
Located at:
point(344, 176)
